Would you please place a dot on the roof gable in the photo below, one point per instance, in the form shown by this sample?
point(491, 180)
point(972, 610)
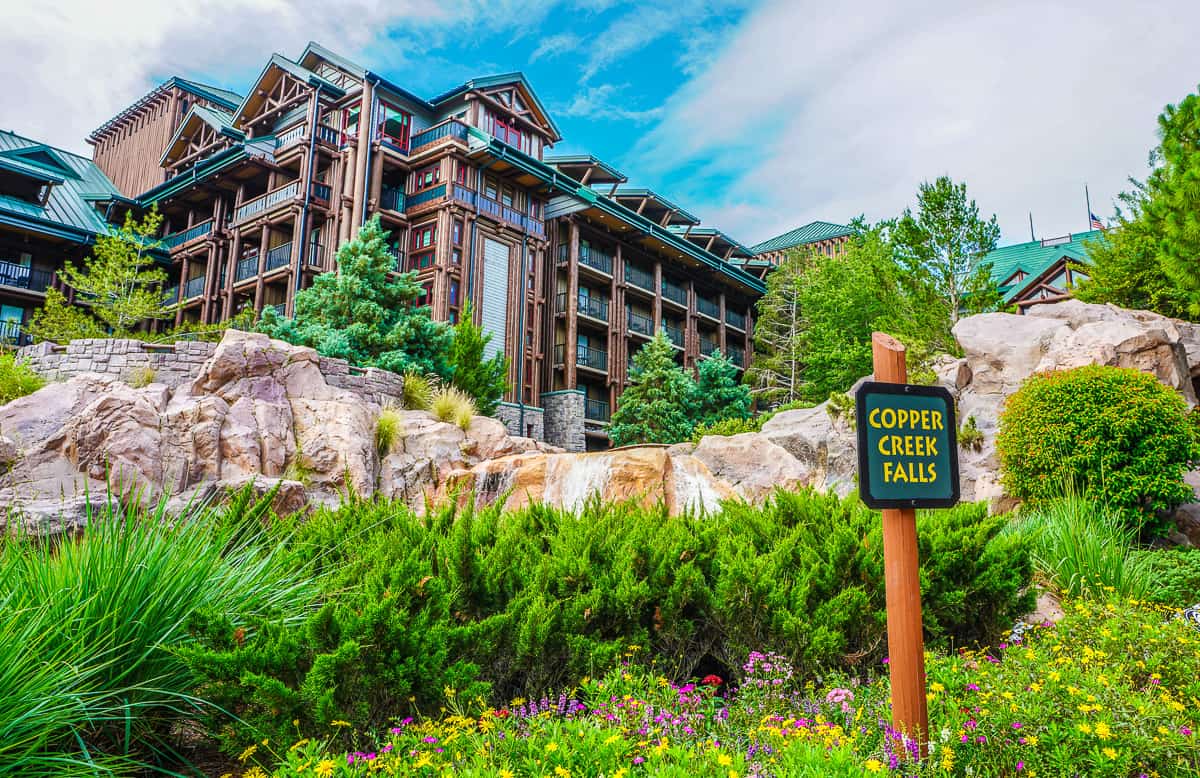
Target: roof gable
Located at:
point(69, 209)
point(522, 100)
point(812, 232)
point(41, 157)
point(214, 94)
point(203, 126)
point(1034, 258)
point(279, 68)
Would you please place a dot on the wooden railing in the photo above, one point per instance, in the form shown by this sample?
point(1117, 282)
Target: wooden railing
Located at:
point(258, 205)
point(735, 319)
point(24, 277)
point(183, 236)
point(451, 128)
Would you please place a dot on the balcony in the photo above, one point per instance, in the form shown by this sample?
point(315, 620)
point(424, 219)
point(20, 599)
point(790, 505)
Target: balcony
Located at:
point(246, 268)
point(674, 334)
point(280, 256)
point(397, 253)
point(735, 319)
point(595, 410)
point(296, 134)
point(593, 307)
point(268, 201)
point(322, 192)
point(708, 308)
point(451, 128)
point(498, 210)
point(391, 198)
point(737, 355)
point(596, 259)
point(639, 324)
point(585, 356)
point(193, 288)
point(23, 277)
point(11, 334)
point(171, 295)
point(674, 292)
point(638, 277)
point(708, 346)
point(420, 198)
point(176, 239)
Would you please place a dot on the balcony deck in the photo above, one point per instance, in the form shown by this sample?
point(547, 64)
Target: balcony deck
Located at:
point(27, 278)
point(182, 238)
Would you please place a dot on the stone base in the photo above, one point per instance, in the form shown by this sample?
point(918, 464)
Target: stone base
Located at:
point(529, 423)
point(564, 419)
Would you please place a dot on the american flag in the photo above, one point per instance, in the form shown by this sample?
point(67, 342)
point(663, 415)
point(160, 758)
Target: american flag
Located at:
point(1096, 223)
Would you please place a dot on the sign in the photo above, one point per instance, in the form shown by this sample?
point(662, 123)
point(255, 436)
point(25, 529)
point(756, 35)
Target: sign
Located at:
point(907, 446)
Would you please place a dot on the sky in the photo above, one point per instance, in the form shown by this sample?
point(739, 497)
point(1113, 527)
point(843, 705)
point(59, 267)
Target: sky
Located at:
point(755, 116)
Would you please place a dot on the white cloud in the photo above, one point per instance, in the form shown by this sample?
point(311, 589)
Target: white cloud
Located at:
point(603, 103)
point(555, 45)
point(822, 112)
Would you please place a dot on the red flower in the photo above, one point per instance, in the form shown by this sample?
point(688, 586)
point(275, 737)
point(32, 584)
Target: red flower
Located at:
point(712, 680)
point(500, 714)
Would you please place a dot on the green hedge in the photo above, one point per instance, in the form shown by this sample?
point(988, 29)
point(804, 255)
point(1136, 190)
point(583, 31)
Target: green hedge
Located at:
point(524, 602)
point(1175, 575)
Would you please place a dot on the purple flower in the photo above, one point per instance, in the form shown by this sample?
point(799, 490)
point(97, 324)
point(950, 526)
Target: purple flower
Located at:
point(1020, 766)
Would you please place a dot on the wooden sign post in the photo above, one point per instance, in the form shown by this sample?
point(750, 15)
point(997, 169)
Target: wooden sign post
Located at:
point(908, 459)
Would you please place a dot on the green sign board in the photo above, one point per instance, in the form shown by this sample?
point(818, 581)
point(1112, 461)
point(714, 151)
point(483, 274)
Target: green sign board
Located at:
point(907, 446)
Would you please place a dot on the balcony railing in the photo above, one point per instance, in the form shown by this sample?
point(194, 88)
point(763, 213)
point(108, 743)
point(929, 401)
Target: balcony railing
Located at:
point(596, 259)
point(639, 277)
point(183, 236)
point(11, 334)
point(735, 319)
point(267, 201)
point(595, 410)
point(708, 308)
point(316, 255)
point(535, 226)
point(321, 191)
point(674, 292)
point(23, 277)
point(642, 325)
point(451, 128)
point(288, 137)
point(280, 308)
point(398, 254)
point(246, 268)
point(171, 295)
point(420, 198)
point(278, 257)
point(707, 346)
point(585, 356)
point(391, 198)
point(328, 134)
point(737, 355)
point(498, 210)
point(592, 306)
point(193, 288)
point(674, 334)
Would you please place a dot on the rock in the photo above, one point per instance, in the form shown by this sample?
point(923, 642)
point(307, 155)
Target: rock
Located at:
point(1187, 521)
point(1004, 349)
point(751, 464)
point(1048, 610)
point(290, 498)
point(8, 452)
point(824, 447)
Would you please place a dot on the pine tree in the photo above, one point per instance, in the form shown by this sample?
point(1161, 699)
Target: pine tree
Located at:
point(1173, 193)
point(486, 380)
point(719, 395)
point(777, 370)
point(654, 408)
point(120, 287)
point(364, 315)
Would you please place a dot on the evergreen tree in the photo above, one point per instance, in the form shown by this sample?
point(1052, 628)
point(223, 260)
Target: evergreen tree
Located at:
point(943, 246)
point(777, 371)
point(719, 396)
point(365, 316)
point(120, 286)
point(486, 380)
point(654, 408)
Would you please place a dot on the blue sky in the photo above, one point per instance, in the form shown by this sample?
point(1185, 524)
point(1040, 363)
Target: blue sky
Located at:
point(755, 116)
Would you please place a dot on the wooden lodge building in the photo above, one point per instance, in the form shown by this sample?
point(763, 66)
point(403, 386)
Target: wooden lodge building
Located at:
point(566, 265)
point(822, 237)
point(1040, 271)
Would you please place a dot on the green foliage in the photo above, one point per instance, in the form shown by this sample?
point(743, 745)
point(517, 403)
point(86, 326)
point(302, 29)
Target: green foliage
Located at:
point(1079, 550)
point(90, 664)
point(944, 245)
point(17, 379)
point(654, 407)
point(140, 377)
point(841, 406)
point(365, 315)
point(969, 435)
point(776, 372)
point(453, 406)
point(418, 391)
point(727, 427)
point(718, 395)
point(484, 380)
point(1174, 574)
point(389, 430)
point(1174, 189)
point(120, 285)
point(535, 599)
point(1115, 435)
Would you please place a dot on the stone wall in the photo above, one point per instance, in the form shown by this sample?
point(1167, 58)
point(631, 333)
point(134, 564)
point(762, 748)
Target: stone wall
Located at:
point(564, 419)
point(534, 422)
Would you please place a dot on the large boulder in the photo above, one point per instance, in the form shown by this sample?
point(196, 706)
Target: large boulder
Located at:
point(751, 464)
point(823, 444)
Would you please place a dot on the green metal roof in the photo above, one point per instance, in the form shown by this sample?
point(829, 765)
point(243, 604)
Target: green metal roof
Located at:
point(631, 191)
point(69, 210)
point(691, 233)
point(1034, 258)
point(809, 233)
point(215, 94)
point(586, 160)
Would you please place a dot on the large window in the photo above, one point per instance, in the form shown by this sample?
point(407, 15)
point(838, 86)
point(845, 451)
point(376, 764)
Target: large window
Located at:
point(424, 236)
point(428, 176)
point(350, 124)
point(396, 126)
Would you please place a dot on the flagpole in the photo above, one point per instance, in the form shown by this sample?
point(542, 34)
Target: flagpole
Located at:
point(1088, 198)
point(1031, 235)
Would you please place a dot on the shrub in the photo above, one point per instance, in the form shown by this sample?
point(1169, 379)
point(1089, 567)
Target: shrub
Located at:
point(17, 379)
point(536, 599)
point(727, 427)
point(1116, 435)
point(105, 617)
point(418, 391)
point(453, 406)
point(1079, 549)
point(1174, 575)
point(841, 406)
point(389, 430)
point(969, 435)
point(140, 377)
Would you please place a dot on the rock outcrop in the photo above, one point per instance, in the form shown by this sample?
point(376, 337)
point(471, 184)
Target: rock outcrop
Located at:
point(261, 413)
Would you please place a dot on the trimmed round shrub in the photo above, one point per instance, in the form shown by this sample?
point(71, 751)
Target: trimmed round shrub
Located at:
point(1116, 435)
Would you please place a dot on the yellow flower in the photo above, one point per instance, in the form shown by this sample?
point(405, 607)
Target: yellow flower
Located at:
point(1110, 753)
point(551, 747)
point(339, 723)
point(506, 773)
point(254, 772)
point(936, 687)
point(1102, 731)
point(1032, 740)
point(325, 768)
point(562, 772)
point(873, 765)
point(724, 760)
point(1085, 729)
point(608, 741)
point(249, 752)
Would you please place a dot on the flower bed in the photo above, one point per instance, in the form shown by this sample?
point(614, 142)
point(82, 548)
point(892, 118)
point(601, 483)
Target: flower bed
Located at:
point(1112, 690)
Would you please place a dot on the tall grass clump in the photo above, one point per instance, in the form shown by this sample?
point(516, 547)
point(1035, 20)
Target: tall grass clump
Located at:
point(418, 391)
point(389, 430)
point(94, 626)
point(17, 379)
point(1080, 549)
point(453, 406)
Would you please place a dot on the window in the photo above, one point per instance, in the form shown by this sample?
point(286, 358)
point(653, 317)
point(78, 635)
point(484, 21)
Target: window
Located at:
point(424, 236)
point(395, 126)
point(350, 124)
point(461, 173)
point(456, 257)
point(454, 293)
point(426, 296)
point(506, 131)
point(489, 189)
point(506, 196)
point(428, 176)
point(420, 261)
point(456, 232)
